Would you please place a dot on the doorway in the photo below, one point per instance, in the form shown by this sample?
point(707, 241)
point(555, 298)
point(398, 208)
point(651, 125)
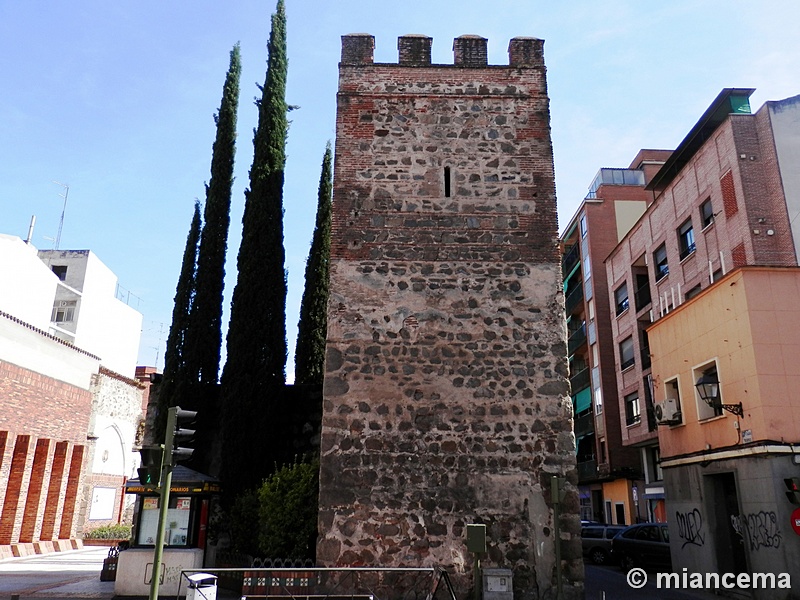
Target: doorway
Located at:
point(724, 520)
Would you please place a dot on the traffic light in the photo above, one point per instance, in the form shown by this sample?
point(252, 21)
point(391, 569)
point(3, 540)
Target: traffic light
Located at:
point(176, 434)
point(150, 471)
point(793, 489)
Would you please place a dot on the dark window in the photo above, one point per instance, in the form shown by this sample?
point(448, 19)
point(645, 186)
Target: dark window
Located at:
point(660, 261)
point(621, 298)
point(642, 293)
point(686, 238)
point(717, 275)
point(447, 182)
point(632, 412)
point(648, 533)
point(592, 532)
point(626, 357)
point(693, 292)
point(60, 271)
point(619, 508)
point(583, 226)
point(706, 213)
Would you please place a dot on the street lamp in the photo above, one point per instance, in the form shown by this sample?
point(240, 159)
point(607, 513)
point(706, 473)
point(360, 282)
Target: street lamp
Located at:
point(708, 387)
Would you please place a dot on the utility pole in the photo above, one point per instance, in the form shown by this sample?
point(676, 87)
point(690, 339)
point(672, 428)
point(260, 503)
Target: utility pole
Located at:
point(170, 456)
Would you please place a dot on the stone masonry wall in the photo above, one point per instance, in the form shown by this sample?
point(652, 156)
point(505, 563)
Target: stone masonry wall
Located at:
point(446, 393)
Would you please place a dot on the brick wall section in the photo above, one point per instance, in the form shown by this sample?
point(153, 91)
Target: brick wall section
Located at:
point(11, 517)
point(42, 406)
point(68, 515)
point(52, 511)
point(30, 520)
point(445, 397)
point(728, 195)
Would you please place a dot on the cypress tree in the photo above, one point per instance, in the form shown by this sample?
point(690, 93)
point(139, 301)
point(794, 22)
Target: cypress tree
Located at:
point(205, 333)
point(254, 372)
point(174, 378)
point(309, 358)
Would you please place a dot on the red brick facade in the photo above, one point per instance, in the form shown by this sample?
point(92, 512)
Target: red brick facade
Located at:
point(41, 495)
point(736, 169)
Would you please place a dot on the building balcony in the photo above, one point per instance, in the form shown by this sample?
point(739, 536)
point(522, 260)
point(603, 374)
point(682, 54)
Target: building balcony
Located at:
point(579, 381)
point(642, 297)
point(574, 298)
point(576, 339)
point(584, 425)
point(645, 356)
point(587, 470)
point(571, 258)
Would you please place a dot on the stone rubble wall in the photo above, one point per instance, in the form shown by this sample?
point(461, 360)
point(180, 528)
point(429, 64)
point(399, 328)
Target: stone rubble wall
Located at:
point(446, 397)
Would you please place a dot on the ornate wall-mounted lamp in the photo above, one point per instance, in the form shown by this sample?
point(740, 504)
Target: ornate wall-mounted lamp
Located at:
point(708, 387)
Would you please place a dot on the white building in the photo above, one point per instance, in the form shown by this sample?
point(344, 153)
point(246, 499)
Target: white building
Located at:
point(87, 313)
point(68, 351)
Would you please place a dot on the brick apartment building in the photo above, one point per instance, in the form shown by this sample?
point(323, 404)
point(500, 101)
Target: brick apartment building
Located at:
point(446, 393)
point(727, 198)
point(609, 474)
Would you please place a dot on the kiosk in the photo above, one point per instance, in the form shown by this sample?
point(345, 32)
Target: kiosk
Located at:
point(184, 538)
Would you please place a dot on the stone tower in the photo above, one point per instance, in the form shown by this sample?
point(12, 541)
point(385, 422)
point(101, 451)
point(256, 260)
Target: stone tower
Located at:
point(446, 398)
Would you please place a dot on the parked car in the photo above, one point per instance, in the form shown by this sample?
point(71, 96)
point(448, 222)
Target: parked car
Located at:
point(645, 545)
point(596, 541)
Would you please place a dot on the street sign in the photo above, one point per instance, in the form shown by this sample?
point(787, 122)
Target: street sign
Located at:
point(796, 520)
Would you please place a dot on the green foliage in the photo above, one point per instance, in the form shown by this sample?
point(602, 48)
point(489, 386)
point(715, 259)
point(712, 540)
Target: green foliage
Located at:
point(244, 523)
point(288, 502)
point(254, 372)
point(313, 325)
point(109, 532)
point(174, 380)
point(205, 331)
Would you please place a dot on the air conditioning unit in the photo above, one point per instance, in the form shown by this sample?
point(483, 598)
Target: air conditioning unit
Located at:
point(667, 412)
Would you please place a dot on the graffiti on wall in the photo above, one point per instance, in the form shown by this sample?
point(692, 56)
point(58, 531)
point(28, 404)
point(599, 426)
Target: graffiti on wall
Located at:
point(759, 529)
point(690, 527)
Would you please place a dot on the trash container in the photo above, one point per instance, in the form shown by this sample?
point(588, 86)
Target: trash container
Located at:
point(109, 571)
point(202, 586)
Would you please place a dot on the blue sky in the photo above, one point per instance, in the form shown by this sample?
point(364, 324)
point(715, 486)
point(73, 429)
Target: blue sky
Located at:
point(116, 100)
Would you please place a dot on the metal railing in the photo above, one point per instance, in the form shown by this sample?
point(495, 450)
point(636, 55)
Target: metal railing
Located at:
point(337, 583)
point(579, 381)
point(574, 298)
point(577, 339)
point(587, 470)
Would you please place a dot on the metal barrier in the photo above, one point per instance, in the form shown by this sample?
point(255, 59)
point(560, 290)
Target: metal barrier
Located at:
point(337, 583)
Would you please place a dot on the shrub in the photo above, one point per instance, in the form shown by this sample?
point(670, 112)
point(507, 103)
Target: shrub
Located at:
point(288, 502)
point(109, 532)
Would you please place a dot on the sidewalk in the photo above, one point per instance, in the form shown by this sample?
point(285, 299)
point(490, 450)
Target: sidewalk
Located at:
point(61, 575)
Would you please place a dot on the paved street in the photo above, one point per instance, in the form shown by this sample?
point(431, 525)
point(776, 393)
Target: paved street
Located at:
point(611, 581)
point(74, 575)
point(56, 576)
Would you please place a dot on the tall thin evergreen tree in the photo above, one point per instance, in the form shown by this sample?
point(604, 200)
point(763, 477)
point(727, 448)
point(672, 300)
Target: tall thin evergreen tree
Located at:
point(254, 372)
point(174, 378)
point(309, 357)
point(204, 338)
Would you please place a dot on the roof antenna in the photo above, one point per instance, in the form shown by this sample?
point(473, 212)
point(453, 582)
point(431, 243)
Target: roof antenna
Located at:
point(30, 230)
point(63, 210)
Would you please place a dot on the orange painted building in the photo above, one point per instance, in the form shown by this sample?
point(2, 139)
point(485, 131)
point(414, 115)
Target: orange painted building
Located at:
point(723, 471)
